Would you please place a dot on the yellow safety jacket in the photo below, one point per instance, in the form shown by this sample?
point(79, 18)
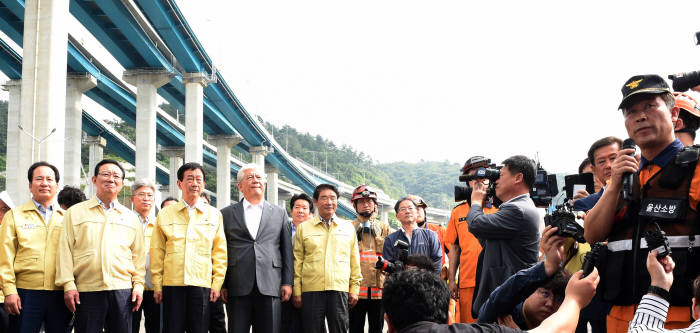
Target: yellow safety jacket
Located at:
point(370, 247)
point(28, 249)
point(147, 233)
point(100, 251)
point(188, 251)
point(326, 259)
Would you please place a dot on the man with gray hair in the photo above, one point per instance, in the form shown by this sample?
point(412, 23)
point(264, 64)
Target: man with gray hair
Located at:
point(259, 257)
point(142, 199)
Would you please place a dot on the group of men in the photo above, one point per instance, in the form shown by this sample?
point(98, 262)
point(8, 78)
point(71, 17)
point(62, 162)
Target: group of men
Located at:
point(489, 245)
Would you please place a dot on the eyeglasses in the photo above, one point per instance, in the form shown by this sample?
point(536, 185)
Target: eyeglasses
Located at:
point(406, 209)
point(550, 295)
point(144, 195)
point(254, 176)
point(41, 179)
point(107, 175)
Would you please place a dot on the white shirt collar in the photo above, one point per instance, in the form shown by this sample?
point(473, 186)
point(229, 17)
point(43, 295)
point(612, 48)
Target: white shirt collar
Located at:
point(199, 204)
point(247, 204)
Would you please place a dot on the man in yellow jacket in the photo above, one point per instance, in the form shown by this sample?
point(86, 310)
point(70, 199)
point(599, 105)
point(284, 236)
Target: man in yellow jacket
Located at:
point(326, 265)
point(29, 237)
point(101, 258)
point(188, 256)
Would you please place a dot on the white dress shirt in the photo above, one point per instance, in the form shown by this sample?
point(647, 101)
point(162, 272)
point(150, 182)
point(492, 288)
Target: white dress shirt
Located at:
point(252, 214)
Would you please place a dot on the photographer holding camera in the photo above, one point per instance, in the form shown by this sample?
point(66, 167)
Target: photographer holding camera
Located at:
point(417, 301)
point(511, 236)
point(464, 247)
point(663, 188)
point(530, 296)
point(419, 240)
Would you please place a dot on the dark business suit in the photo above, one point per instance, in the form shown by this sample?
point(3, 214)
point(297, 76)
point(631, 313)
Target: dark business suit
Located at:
point(257, 268)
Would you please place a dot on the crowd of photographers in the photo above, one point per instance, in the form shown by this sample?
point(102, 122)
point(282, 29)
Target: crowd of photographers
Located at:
point(621, 253)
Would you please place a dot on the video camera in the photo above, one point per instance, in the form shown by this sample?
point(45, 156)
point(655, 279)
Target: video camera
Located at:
point(544, 188)
point(397, 266)
point(492, 173)
point(564, 220)
point(685, 81)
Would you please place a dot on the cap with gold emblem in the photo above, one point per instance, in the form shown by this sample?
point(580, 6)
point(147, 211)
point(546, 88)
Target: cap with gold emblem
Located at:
point(643, 84)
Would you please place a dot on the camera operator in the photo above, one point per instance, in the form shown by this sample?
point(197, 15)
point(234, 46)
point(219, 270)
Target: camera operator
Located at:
point(420, 240)
point(531, 295)
point(688, 118)
point(651, 313)
point(510, 237)
point(416, 301)
point(663, 189)
point(602, 155)
point(464, 247)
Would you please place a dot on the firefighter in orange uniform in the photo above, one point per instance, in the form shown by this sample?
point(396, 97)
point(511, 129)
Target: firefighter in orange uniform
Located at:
point(464, 248)
point(370, 234)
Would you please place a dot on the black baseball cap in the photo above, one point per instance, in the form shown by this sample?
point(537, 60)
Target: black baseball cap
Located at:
point(643, 84)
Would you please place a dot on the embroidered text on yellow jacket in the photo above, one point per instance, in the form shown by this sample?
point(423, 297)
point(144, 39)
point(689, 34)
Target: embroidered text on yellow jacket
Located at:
point(100, 251)
point(188, 252)
point(28, 249)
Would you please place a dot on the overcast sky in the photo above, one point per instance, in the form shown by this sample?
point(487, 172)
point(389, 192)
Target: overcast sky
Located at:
point(407, 80)
point(435, 80)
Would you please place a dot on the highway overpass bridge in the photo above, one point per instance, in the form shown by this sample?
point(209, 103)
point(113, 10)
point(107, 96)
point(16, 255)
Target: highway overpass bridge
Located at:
point(126, 56)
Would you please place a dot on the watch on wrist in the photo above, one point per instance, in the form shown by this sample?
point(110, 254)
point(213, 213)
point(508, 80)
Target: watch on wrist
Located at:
point(663, 293)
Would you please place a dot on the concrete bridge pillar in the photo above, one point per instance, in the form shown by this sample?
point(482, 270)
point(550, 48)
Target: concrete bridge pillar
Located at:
point(147, 82)
point(223, 166)
point(194, 116)
point(283, 198)
point(97, 145)
point(77, 84)
point(272, 194)
point(175, 154)
point(384, 213)
point(258, 153)
point(12, 172)
point(45, 52)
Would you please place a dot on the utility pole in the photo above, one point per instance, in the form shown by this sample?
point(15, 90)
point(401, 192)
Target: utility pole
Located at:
point(313, 153)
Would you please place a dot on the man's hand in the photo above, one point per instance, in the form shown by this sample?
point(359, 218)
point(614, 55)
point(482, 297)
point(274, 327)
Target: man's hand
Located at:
point(507, 321)
point(136, 298)
point(285, 292)
point(553, 248)
point(580, 194)
point(479, 192)
point(454, 289)
point(72, 299)
point(224, 295)
point(352, 299)
point(623, 164)
point(661, 271)
point(580, 290)
point(158, 297)
point(13, 304)
point(213, 295)
point(296, 301)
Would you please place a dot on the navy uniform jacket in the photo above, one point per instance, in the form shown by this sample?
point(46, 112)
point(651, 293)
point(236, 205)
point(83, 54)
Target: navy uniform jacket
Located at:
point(423, 241)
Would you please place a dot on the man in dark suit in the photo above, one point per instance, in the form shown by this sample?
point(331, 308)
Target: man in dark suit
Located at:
point(259, 257)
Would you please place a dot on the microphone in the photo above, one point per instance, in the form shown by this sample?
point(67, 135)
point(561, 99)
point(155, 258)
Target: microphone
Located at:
point(628, 177)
